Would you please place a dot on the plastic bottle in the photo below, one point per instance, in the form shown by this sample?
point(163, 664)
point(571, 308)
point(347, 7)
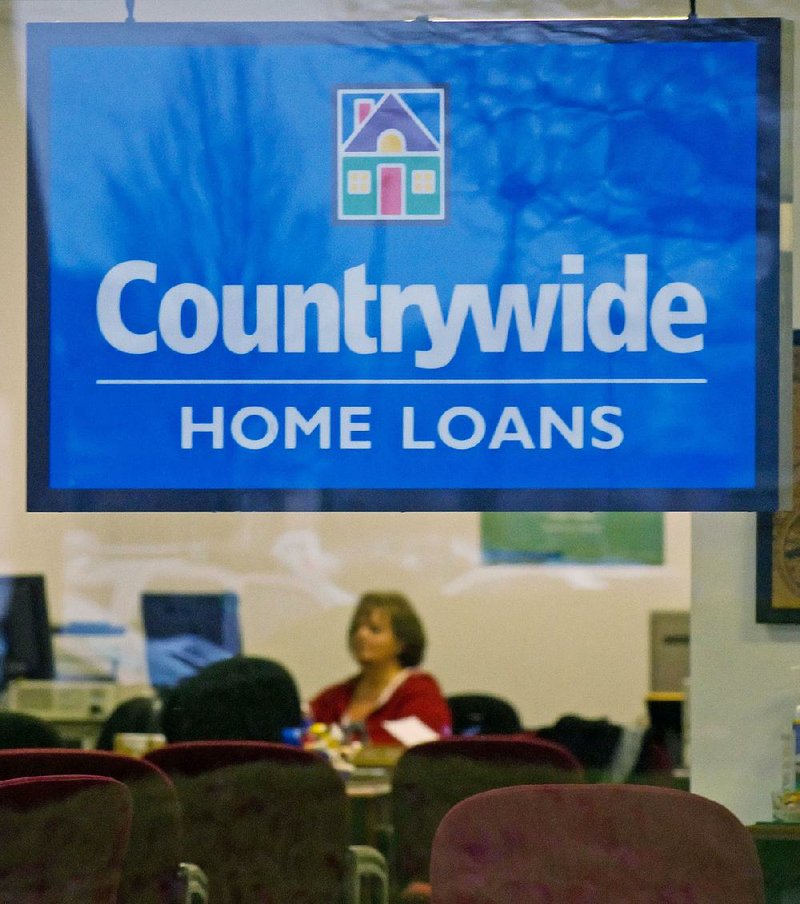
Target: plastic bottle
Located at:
point(786, 802)
point(791, 757)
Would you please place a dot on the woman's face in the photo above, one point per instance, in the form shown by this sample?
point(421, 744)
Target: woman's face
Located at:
point(374, 642)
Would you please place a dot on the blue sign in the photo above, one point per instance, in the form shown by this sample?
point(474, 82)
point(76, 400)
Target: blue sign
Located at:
point(404, 265)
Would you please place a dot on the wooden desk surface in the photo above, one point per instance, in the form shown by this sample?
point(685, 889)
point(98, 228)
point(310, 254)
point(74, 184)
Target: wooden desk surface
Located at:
point(369, 781)
point(369, 789)
point(772, 831)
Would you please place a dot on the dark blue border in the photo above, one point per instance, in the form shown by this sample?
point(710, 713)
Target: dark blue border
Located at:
point(763, 496)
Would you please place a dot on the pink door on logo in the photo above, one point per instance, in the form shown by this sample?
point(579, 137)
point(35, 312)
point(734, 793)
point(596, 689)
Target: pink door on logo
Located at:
point(391, 190)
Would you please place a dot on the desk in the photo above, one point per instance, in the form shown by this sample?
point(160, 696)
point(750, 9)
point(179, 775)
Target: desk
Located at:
point(778, 846)
point(369, 797)
point(369, 790)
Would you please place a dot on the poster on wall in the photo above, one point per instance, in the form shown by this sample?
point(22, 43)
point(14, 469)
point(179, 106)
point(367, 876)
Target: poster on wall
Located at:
point(572, 538)
point(526, 266)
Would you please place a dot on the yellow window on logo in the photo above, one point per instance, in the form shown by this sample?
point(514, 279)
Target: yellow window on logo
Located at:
point(423, 182)
point(359, 182)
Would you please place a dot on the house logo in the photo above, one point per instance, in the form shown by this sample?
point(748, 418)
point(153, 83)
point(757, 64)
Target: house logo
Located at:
point(391, 147)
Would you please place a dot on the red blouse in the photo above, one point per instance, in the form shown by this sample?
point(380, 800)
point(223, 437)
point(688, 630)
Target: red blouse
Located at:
point(417, 695)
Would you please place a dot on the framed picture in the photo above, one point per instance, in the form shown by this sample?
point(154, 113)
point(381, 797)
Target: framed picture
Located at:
point(778, 543)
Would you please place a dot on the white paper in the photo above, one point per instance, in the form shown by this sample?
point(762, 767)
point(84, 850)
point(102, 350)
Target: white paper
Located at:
point(410, 730)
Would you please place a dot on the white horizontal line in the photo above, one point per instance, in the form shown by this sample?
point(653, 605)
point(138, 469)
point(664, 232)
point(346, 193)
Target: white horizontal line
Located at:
point(419, 382)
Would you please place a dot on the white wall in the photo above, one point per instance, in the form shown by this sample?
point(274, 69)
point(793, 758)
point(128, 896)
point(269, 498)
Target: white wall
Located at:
point(743, 691)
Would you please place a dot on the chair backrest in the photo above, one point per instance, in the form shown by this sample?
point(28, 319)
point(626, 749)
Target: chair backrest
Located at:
point(576, 843)
point(62, 839)
point(431, 778)
point(612, 752)
point(266, 822)
point(150, 869)
point(481, 714)
point(138, 715)
point(23, 730)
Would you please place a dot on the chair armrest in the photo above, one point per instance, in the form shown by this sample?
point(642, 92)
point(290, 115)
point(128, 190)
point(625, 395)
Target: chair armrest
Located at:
point(364, 862)
point(192, 884)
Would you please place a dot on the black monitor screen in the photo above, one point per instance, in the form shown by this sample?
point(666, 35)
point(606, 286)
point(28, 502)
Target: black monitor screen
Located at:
point(26, 649)
point(186, 631)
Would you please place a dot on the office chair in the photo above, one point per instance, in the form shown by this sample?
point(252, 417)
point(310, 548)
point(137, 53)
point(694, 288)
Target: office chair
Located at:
point(630, 844)
point(610, 752)
point(24, 730)
point(152, 872)
point(62, 839)
point(482, 714)
point(139, 715)
point(431, 778)
point(268, 823)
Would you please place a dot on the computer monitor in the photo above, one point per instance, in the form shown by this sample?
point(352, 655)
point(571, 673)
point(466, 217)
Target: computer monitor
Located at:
point(184, 632)
point(26, 648)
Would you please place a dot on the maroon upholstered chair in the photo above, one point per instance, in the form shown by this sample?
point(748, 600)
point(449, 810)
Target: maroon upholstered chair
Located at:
point(150, 873)
point(528, 749)
point(267, 823)
point(188, 758)
point(630, 844)
point(62, 839)
point(431, 778)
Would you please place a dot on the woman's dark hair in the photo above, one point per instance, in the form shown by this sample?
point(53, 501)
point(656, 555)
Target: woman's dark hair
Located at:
point(406, 626)
point(139, 714)
point(244, 698)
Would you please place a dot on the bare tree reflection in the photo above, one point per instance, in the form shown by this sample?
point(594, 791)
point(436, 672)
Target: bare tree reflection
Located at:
point(217, 207)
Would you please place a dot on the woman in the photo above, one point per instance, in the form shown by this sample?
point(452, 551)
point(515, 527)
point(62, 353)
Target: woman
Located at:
point(387, 641)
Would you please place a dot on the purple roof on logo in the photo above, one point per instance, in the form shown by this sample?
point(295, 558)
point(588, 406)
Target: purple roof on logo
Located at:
point(391, 114)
